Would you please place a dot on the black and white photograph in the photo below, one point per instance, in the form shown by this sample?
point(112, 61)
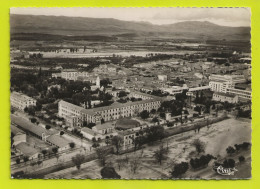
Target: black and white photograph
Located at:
point(130, 93)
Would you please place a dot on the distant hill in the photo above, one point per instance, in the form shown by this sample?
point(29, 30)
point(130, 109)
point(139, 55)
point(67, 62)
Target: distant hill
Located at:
point(80, 26)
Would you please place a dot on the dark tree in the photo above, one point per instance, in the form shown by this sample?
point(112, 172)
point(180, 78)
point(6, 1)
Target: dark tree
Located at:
point(107, 140)
point(95, 145)
point(25, 159)
point(101, 155)
point(72, 145)
point(117, 142)
point(122, 94)
point(18, 160)
point(44, 152)
point(162, 115)
point(179, 169)
point(47, 127)
point(155, 133)
point(201, 162)
point(134, 164)
point(230, 150)
point(109, 173)
point(33, 120)
point(55, 150)
point(229, 163)
point(199, 146)
point(144, 114)
point(31, 110)
point(241, 159)
point(78, 160)
point(160, 154)
point(155, 120)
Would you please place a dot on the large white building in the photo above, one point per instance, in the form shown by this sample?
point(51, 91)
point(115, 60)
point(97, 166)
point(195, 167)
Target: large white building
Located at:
point(243, 94)
point(224, 97)
point(21, 101)
point(219, 86)
point(76, 115)
point(71, 74)
point(220, 83)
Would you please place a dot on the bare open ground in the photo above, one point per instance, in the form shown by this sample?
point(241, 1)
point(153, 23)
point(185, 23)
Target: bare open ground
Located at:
point(217, 138)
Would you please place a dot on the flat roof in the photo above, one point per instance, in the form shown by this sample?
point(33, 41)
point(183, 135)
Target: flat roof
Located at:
point(21, 95)
point(28, 126)
point(26, 149)
point(88, 130)
point(104, 126)
point(58, 140)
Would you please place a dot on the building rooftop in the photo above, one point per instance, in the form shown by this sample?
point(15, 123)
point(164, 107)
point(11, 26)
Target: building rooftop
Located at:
point(243, 86)
point(26, 149)
point(126, 132)
point(144, 94)
point(120, 105)
point(21, 96)
point(113, 106)
point(89, 131)
point(104, 126)
point(58, 141)
point(16, 131)
point(28, 126)
point(69, 70)
point(225, 94)
point(126, 123)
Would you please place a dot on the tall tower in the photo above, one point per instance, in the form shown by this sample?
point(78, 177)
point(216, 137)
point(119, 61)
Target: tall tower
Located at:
point(98, 82)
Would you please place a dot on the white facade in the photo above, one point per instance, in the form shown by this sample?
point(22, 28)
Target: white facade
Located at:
point(220, 83)
point(162, 77)
point(21, 101)
point(219, 86)
point(128, 138)
point(240, 93)
point(69, 75)
point(223, 97)
point(73, 74)
point(107, 113)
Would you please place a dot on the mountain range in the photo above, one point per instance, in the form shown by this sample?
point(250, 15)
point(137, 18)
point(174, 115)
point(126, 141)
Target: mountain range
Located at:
point(84, 26)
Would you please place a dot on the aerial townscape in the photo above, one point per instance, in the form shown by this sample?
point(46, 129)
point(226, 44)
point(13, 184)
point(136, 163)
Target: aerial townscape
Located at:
point(96, 98)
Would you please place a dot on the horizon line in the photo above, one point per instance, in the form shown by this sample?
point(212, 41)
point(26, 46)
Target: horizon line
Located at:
point(129, 20)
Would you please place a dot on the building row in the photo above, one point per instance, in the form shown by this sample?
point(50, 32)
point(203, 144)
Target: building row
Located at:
point(51, 137)
point(71, 74)
point(76, 115)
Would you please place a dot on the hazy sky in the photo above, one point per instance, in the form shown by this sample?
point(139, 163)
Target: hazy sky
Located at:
point(221, 16)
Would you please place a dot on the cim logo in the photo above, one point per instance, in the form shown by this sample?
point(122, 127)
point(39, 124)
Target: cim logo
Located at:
point(224, 171)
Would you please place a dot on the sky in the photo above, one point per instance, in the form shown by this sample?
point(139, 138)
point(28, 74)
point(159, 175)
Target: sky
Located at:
point(221, 16)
